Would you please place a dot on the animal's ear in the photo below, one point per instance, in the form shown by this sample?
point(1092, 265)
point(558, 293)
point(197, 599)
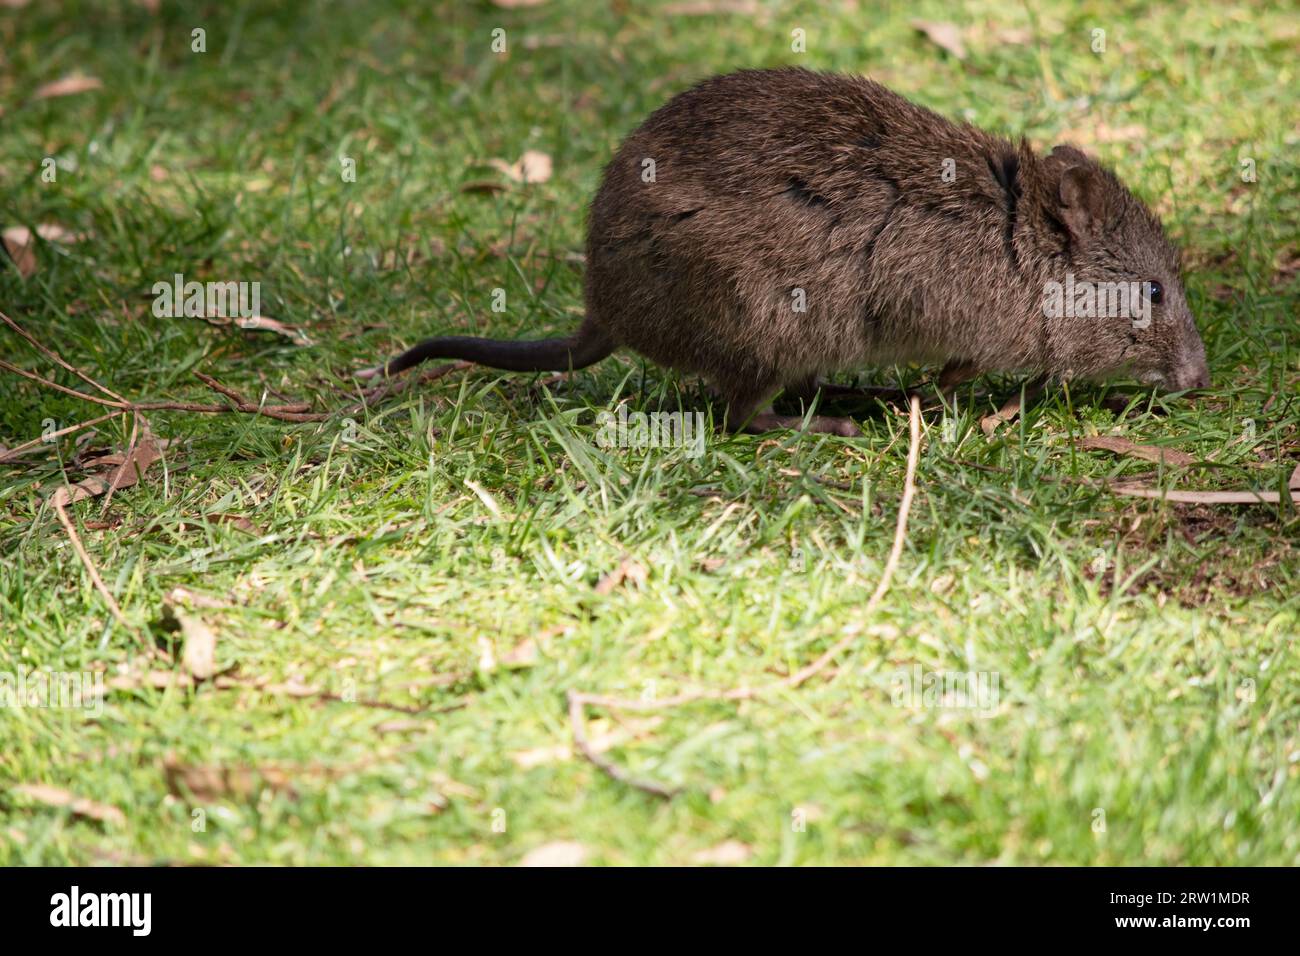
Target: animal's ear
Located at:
point(1081, 192)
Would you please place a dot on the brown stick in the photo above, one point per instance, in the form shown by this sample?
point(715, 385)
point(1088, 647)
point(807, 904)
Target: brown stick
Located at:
point(92, 570)
point(396, 386)
point(287, 413)
point(294, 413)
point(13, 453)
point(55, 357)
point(123, 405)
point(579, 700)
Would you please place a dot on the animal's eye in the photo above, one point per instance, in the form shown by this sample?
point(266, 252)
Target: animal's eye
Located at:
point(1155, 292)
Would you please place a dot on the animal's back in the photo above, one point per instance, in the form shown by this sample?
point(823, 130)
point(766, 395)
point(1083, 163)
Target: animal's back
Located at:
point(740, 231)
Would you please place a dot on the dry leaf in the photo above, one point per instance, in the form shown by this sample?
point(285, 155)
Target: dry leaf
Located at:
point(79, 806)
point(293, 687)
point(990, 423)
point(1029, 391)
point(540, 756)
point(524, 654)
point(260, 323)
point(53, 232)
point(20, 244)
point(533, 167)
point(1122, 446)
point(944, 35)
point(729, 853)
point(155, 680)
point(1014, 35)
point(211, 784)
point(1104, 133)
point(199, 656)
point(487, 658)
point(559, 853)
point(188, 598)
point(238, 522)
point(20, 248)
point(67, 86)
point(128, 470)
point(627, 570)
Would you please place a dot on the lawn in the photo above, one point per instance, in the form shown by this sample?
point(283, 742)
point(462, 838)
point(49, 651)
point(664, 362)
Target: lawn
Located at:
point(351, 638)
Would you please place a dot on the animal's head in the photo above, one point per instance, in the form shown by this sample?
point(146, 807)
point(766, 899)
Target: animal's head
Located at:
point(1121, 309)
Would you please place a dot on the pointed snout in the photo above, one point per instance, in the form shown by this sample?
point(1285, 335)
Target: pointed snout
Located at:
point(1190, 371)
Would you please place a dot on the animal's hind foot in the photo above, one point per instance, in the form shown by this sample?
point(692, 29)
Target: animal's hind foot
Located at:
point(827, 424)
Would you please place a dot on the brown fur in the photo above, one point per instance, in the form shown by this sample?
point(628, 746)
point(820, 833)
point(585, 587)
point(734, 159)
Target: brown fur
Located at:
point(767, 181)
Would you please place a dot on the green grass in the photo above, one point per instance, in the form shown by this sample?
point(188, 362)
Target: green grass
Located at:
point(1144, 650)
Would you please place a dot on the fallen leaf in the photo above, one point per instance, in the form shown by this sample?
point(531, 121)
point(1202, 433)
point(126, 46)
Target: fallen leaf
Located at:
point(188, 598)
point(1122, 446)
point(1105, 133)
point(20, 244)
point(517, 4)
point(1014, 35)
point(487, 658)
point(540, 756)
point(524, 654)
point(293, 687)
point(128, 471)
point(990, 423)
point(53, 232)
point(533, 167)
point(260, 323)
point(79, 806)
point(627, 570)
point(21, 248)
point(947, 36)
point(729, 853)
point(199, 655)
point(238, 522)
point(67, 86)
point(1012, 407)
point(559, 853)
point(211, 784)
point(942, 584)
point(155, 680)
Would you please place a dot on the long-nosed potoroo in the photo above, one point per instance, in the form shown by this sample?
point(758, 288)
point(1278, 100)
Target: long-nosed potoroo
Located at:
point(767, 227)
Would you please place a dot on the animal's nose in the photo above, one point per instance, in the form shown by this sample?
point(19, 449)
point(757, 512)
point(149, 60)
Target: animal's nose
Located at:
point(1191, 376)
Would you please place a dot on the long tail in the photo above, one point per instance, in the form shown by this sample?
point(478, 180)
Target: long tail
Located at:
point(585, 347)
